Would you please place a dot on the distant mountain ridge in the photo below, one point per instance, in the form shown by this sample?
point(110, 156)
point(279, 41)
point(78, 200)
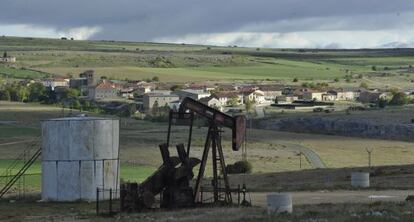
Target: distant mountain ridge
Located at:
point(398, 45)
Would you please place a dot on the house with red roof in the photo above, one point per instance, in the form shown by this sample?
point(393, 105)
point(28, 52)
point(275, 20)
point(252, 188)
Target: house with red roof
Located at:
point(105, 89)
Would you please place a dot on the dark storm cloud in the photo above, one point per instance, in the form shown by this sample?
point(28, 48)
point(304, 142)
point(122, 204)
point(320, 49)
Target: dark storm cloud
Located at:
point(150, 19)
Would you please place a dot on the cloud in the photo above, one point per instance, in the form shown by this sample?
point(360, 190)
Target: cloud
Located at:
point(78, 33)
point(268, 20)
point(275, 40)
point(316, 39)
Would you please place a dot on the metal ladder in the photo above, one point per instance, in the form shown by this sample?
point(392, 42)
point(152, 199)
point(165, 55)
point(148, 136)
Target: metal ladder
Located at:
point(21, 172)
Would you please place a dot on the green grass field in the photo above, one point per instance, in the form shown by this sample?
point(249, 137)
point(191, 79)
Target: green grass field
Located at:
point(9, 131)
point(184, 63)
point(32, 177)
point(20, 73)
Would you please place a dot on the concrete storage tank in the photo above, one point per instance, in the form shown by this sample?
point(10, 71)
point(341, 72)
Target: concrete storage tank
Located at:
point(79, 154)
point(360, 179)
point(279, 203)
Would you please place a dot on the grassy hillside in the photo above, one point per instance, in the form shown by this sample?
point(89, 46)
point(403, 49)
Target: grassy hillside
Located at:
point(183, 63)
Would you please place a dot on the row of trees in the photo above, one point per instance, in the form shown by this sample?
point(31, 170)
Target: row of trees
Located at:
point(398, 99)
point(66, 97)
point(36, 92)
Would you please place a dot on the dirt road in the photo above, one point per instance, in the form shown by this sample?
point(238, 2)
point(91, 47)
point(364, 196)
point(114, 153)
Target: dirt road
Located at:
point(339, 196)
point(313, 158)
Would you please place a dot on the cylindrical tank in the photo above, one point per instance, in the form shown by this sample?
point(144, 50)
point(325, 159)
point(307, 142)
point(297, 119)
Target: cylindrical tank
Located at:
point(279, 203)
point(360, 179)
point(79, 155)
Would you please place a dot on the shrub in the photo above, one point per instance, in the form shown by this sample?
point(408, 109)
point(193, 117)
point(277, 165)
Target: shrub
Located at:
point(399, 99)
point(239, 167)
point(363, 85)
point(382, 103)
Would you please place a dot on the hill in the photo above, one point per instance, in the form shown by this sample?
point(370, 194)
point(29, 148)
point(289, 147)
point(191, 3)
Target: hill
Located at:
point(183, 63)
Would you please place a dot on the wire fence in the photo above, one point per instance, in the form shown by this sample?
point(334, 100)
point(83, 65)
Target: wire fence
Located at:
point(27, 184)
point(107, 201)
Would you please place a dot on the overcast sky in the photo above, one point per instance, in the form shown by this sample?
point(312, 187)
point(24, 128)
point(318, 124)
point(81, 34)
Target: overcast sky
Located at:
point(255, 23)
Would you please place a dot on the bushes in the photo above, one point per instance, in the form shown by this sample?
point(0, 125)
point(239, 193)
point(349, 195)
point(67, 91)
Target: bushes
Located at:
point(239, 167)
point(382, 103)
point(399, 99)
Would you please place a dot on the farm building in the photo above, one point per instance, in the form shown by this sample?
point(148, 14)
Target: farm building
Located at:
point(253, 95)
point(343, 94)
point(104, 90)
point(56, 82)
point(8, 59)
point(192, 93)
point(212, 102)
point(309, 94)
point(286, 99)
point(160, 99)
point(225, 97)
point(372, 96)
point(271, 91)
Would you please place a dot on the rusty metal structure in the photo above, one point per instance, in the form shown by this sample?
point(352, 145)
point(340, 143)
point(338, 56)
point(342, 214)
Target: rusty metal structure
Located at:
point(173, 179)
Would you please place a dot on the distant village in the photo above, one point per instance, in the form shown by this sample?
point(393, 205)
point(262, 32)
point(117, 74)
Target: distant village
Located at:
point(150, 94)
point(147, 94)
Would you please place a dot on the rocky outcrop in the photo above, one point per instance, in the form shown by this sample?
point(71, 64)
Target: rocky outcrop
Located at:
point(343, 127)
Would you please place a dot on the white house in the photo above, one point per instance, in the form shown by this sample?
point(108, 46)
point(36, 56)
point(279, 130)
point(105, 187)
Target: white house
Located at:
point(343, 94)
point(104, 90)
point(271, 91)
point(286, 99)
point(329, 97)
point(212, 102)
point(7, 58)
point(52, 83)
point(310, 94)
point(253, 95)
point(149, 99)
point(195, 94)
point(225, 98)
point(127, 93)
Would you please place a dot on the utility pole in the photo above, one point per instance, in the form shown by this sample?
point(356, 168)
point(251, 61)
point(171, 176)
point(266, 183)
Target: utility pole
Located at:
point(369, 151)
point(300, 159)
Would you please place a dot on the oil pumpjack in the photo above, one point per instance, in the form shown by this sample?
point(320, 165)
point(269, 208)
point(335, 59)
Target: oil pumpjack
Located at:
point(174, 177)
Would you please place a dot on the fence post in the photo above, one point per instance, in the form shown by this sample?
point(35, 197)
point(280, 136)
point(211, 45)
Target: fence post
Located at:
point(110, 201)
point(97, 201)
point(238, 194)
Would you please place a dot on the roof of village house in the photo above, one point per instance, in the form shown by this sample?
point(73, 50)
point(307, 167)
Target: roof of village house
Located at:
point(227, 87)
point(345, 89)
point(57, 79)
point(247, 91)
point(194, 91)
point(206, 99)
point(199, 86)
point(127, 90)
point(308, 90)
point(227, 94)
point(106, 84)
point(271, 87)
point(158, 94)
point(375, 92)
point(297, 92)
